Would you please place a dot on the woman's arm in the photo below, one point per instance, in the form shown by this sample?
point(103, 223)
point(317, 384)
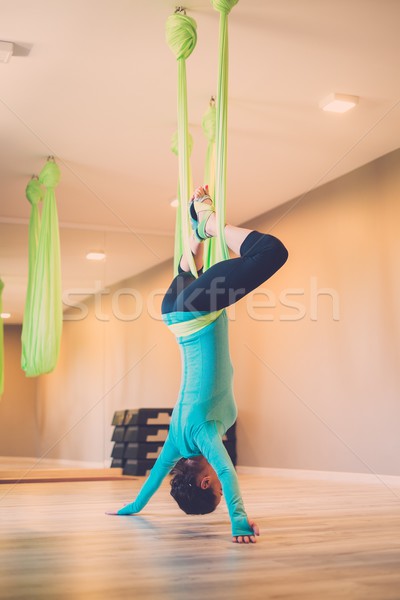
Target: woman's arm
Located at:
point(167, 459)
point(209, 442)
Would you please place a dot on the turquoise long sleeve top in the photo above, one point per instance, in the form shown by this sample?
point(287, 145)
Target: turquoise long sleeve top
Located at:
point(205, 409)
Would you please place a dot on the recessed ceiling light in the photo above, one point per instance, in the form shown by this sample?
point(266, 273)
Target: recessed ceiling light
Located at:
point(339, 103)
point(6, 51)
point(174, 203)
point(96, 255)
point(5, 315)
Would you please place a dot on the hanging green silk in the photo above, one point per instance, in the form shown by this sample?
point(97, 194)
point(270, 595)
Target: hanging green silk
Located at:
point(1, 340)
point(224, 7)
point(34, 194)
point(179, 236)
point(181, 37)
point(42, 326)
point(208, 124)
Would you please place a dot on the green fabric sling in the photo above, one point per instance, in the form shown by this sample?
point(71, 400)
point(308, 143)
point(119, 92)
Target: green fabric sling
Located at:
point(181, 37)
point(224, 7)
point(208, 125)
point(1, 340)
point(34, 194)
point(178, 244)
point(42, 325)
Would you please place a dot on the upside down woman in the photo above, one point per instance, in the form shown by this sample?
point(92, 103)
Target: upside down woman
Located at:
point(194, 311)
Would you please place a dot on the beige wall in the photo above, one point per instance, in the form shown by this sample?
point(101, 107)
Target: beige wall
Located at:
point(317, 386)
point(118, 356)
point(323, 391)
point(18, 428)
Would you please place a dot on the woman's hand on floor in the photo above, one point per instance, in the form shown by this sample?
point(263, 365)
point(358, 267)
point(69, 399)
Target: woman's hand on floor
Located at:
point(119, 514)
point(128, 509)
point(247, 539)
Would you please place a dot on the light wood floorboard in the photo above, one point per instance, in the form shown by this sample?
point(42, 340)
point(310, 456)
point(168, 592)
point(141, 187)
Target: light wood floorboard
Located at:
point(320, 540)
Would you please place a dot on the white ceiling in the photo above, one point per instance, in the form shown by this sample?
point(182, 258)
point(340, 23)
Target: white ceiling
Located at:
point(94, 83)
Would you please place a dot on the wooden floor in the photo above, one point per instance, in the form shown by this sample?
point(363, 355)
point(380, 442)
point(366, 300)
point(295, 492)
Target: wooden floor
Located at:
point(321, 540)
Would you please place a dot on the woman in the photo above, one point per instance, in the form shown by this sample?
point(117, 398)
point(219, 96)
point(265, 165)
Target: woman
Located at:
point(193, 308)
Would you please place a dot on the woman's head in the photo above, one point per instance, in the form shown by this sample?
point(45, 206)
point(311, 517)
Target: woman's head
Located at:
point(195, 486)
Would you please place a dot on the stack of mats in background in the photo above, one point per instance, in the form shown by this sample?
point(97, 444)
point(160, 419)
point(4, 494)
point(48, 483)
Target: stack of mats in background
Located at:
point(139, 436)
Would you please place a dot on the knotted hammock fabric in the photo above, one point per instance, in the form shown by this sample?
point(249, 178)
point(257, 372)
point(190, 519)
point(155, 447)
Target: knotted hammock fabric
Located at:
point(42, 325)
point(181, 35)
point(224, 7)
point(1, 340)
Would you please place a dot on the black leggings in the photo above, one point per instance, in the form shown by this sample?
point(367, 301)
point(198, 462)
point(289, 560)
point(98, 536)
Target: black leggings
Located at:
point(223, 284)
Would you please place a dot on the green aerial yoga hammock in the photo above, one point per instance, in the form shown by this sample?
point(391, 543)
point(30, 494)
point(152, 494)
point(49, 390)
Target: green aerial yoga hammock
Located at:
point(181, 38)
point(1, 340)
point(209, 124)
point(42, 325)
point(224, 7)
point(179, 247)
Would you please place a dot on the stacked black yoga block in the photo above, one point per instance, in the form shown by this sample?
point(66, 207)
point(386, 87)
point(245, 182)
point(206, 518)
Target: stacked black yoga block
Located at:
point(140, 434)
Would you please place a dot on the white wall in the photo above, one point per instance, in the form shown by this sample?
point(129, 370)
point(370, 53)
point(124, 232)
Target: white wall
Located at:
point(315, 392)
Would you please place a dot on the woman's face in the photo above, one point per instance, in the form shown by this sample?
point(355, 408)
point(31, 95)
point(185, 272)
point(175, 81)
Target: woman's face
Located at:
point(217, 489)
point(215, 485)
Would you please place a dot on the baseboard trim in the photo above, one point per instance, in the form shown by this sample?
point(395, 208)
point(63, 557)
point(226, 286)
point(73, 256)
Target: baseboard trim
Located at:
point(390, 480)
point(79, 464)
point(36, 462)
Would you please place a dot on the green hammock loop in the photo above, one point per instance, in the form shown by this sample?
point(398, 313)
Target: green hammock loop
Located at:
point(174, 144)
point(209, 123)
point(224, 7)
point(35, 194)
point(34, 191)
point(181, 34)
point(181, 37)
point(209, 129)
point(178, 243)
point(50, 175)
point(42, 325)
point(1, 340)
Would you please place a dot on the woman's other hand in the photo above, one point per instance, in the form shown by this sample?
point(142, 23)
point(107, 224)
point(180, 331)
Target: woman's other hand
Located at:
point(248, 539)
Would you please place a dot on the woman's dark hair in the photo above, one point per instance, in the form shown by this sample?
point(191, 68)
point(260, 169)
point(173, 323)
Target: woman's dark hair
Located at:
point(191, 498)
